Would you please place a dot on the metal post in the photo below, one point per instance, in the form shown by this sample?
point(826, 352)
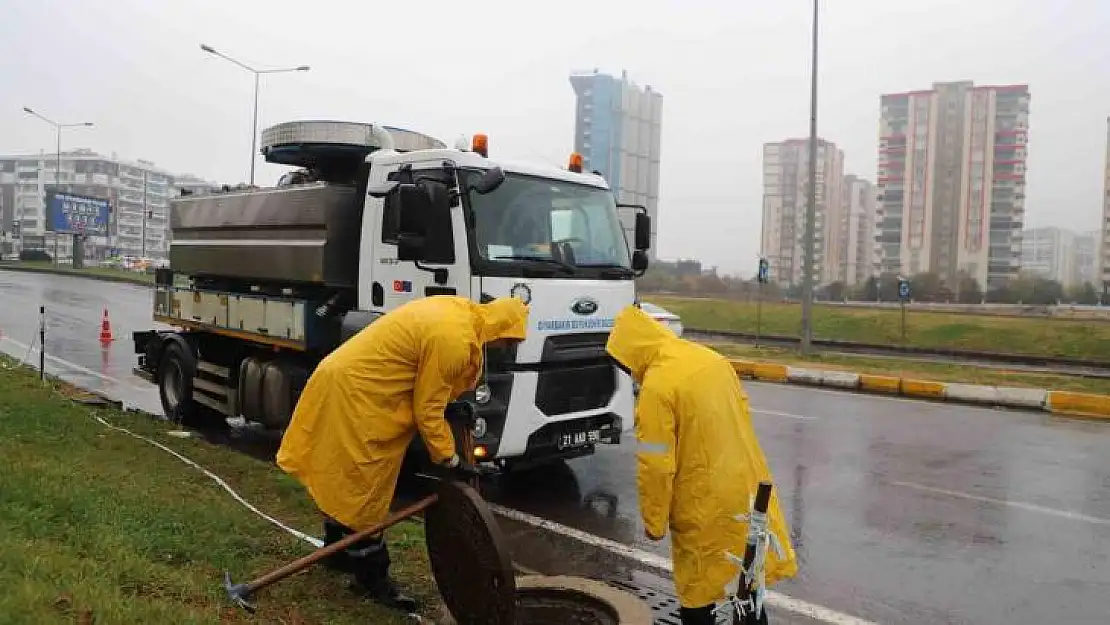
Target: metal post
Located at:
point(257, 73)
point(57, 184)
point(42, 342)
point(758, 312)
point(811, 209)
point(254, 128)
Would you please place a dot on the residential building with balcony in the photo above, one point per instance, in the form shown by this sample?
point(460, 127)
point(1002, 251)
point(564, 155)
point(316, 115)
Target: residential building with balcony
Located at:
point(138, 192)
point(856, 259)
point(951, 181)
point(785, 198)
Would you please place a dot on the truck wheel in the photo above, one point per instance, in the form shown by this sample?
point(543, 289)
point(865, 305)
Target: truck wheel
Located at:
point(175, 384)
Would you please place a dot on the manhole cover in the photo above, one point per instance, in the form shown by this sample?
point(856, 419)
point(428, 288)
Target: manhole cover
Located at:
point(469, 560)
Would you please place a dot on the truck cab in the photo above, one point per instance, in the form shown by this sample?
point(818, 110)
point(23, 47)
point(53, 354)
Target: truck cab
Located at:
point(395, 225)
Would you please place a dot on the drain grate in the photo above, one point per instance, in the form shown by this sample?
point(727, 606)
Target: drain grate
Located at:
point(664, 606)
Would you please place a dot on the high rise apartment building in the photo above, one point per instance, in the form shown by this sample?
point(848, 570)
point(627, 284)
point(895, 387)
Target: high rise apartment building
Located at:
point(618, 131)
point(785, 197)
point(1104, 239)
point(857, 230)
point(951, 177)
point(1051, 253)
point(138, 192)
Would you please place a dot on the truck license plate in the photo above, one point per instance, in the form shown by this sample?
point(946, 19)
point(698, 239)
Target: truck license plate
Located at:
point(579, 439)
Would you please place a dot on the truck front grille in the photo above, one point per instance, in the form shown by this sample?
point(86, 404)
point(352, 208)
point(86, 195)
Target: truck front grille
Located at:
point(587, 387)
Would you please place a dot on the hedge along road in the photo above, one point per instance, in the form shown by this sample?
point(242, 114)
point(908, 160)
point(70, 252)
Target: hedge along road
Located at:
point(901, 511)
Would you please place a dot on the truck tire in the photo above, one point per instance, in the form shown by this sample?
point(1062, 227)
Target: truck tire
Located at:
point(175, 383)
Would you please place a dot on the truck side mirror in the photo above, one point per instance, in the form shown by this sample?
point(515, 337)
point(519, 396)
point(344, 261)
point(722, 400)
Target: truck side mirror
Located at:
point(639, 262)
point(422, 212)
point(643, 231)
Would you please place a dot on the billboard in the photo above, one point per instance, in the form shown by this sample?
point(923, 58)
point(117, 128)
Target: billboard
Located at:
point(67, 213)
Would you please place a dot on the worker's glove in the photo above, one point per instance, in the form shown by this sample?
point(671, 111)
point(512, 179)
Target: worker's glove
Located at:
point(461, 412)
point(461, 469)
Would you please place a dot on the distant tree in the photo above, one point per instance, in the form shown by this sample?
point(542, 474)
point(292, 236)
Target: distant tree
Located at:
point(1046, 292)
point(968, 290)
point(888, 287)
point(924, 287)
point(1083, 294)
point(835, 291)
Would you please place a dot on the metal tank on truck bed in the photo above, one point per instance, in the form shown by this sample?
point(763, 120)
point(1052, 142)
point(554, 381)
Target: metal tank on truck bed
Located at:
point(373, 217)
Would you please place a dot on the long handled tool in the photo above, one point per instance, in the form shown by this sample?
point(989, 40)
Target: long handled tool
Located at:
point(459, 413)
point(240, 594)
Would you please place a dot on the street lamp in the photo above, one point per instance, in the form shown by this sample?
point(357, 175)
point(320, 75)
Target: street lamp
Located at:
point(810, 250)
point(257, 72)
point(57, 171)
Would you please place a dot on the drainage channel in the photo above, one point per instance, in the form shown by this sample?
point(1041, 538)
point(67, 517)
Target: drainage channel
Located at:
point(664, 605)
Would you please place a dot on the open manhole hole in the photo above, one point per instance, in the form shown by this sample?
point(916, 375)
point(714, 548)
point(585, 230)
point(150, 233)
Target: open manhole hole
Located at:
point(555, 606)
point(476, 579)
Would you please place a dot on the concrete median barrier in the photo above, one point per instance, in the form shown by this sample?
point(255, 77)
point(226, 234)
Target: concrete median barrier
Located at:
point(880, 383)
point(1059, 402)
point(1079, 404)
point(971, 393)
point(769, 371)
point(744, 368)
point(1011, 397)
point(840, 379)
point(925, 389)
point(798, 375)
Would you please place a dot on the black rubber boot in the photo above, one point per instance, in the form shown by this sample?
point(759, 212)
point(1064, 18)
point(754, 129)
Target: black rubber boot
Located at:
point(372, 579)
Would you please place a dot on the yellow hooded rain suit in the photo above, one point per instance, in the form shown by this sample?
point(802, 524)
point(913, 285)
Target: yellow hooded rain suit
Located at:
point(699, 461)
point(366, 400)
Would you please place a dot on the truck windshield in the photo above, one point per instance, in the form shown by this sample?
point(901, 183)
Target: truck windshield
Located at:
point(538, 226)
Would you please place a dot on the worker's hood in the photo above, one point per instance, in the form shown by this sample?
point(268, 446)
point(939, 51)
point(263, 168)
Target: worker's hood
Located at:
point(636, 341)
point(503, 318)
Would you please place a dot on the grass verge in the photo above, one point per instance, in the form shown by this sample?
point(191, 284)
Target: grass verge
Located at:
point(97, 273)
point(1088, 340)
point(97, 526)
point(939, 371)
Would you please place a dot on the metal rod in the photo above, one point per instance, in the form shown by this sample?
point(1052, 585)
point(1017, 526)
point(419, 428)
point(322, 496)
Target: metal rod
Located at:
point(314, 557)
point(254, 128)
point(42, 342)
point(810, 246)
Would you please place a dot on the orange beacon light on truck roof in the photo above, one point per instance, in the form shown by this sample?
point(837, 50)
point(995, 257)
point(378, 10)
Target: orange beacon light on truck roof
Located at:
point(575, 163)
point(480, 144)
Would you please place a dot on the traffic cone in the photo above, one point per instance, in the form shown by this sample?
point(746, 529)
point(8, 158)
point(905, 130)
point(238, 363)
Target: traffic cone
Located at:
point(106, 329)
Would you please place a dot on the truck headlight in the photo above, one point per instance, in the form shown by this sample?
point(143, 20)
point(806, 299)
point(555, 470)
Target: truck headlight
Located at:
point(482, 394)
point(480, 427)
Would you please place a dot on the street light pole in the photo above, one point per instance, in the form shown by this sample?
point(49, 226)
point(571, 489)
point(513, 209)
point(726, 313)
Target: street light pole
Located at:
point(257, 74)
point(810, 248)
point(57, 172)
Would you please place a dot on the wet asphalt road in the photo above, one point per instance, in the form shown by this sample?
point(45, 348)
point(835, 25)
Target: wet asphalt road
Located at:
point(901, 511)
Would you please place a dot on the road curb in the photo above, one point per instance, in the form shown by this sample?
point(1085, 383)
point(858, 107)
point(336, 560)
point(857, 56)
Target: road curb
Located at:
point(77, 274)
point(1068, 403)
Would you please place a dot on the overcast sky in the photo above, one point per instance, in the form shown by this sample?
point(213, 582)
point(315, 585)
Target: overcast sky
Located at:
point(733, 73)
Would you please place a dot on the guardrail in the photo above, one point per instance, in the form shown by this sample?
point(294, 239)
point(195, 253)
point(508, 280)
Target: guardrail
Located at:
point(1088, 368)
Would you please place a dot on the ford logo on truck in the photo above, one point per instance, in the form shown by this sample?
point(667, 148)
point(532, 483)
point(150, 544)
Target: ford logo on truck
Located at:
point(584, 306)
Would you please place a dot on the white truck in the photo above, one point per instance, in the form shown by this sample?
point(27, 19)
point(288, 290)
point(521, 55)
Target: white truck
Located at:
point(263, 283)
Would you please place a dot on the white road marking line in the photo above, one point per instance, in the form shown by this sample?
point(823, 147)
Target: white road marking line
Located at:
point(1066, 514)
point(656, 561)
point(788, 415)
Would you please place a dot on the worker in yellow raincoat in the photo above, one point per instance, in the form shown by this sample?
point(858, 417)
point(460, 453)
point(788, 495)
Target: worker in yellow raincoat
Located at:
point(699, 462)
point(367, 399)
